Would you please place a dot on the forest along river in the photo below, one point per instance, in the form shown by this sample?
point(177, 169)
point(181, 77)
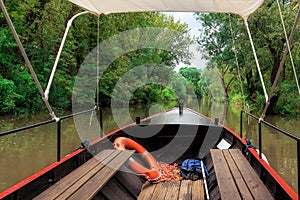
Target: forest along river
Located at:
point(26, 152)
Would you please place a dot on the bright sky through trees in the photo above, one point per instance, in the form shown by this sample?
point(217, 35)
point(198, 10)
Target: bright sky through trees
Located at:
point(188, 18)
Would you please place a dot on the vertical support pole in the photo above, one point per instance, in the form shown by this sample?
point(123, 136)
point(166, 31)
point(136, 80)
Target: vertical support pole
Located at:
point(180, 108)
point(137, 119)
point(58, 140)
point(216, 121)
point(298, 163)
point(259, 139)
point(101, 121)
point(241, 125)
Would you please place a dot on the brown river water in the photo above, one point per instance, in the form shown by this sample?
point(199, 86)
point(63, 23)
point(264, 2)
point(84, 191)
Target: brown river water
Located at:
point(27, 152)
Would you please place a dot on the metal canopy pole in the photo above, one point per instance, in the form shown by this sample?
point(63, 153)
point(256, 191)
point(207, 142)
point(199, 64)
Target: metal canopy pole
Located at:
point(11, 26)
point(59, 52)
point(286, 51)
point(256, 60)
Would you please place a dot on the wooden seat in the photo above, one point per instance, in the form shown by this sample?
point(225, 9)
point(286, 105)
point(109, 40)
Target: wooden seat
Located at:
point(236, 178)
point(87, 180)
point(185, 189)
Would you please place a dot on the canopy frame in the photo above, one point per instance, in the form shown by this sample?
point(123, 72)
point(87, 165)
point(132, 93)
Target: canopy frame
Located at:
point(27, 61)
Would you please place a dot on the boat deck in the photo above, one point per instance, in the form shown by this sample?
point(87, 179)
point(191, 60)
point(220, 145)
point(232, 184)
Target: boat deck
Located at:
point(185, 189)
point(235, 177)
point(87, 180)
point(173, 117)
point(91, 177)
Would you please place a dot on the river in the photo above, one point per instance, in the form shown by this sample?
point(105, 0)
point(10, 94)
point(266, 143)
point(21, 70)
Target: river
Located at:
point(26, 152)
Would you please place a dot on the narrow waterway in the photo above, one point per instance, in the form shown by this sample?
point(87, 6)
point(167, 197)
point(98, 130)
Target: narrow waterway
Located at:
point(26, 152)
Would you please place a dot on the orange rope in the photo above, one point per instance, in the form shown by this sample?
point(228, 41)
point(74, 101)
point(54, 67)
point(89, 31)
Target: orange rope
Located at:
point(168, 173)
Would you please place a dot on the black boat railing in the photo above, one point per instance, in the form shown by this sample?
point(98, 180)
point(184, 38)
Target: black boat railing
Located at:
point(260, 122)
point(58, 127)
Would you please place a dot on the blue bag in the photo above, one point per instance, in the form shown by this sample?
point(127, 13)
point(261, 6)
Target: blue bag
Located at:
point(191, 169)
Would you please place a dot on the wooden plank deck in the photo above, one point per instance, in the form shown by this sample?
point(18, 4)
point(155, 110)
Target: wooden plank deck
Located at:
point(236, 178)
point(87, 180)
point(181, 190)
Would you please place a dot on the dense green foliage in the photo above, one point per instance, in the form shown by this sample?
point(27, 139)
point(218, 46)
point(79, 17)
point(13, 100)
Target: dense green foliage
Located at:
point(221, 33)
point(41, 25)
point(193, 77)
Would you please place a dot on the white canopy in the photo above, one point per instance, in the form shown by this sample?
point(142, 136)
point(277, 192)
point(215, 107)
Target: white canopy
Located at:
point(241, 7)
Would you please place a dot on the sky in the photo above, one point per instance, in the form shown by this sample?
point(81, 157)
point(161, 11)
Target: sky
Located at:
point(188, 18)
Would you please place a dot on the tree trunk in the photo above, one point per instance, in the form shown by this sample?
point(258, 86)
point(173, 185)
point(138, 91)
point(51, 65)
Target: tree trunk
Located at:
point(224, 88)
point(274, 99)
point(251, 87)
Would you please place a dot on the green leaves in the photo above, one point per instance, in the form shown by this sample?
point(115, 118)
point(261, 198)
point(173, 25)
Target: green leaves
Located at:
point(8, 95)
point(41, 24)
point(217, 39)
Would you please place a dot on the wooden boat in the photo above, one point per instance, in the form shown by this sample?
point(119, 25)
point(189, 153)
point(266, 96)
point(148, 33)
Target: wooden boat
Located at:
point(99, 171)
point(171, 137)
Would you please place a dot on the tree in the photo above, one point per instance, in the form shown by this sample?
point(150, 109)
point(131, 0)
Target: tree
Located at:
point(41, 25)
point(157, 52)
point(216, 40)
point(269, 42)
point(193, 76)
